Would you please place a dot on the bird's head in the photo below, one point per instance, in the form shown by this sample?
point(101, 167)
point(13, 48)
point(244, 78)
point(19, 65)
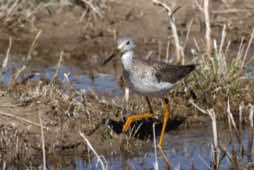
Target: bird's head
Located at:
point(125, 44)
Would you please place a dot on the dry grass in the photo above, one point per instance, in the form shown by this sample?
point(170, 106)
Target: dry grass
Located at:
point(218, 80)
point(99, 158)
point(238, 152)
point(21, 14)
point(219, 74)
point(26, 9)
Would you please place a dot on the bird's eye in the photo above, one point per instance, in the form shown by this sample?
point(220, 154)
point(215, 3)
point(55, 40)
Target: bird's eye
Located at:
point(128, 42)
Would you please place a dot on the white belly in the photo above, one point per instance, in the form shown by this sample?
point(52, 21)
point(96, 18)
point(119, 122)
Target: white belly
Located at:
point(148, 87)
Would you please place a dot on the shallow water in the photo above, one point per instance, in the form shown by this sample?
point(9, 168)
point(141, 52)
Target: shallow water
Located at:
point(100, 83)
point(249, 72)
point(184, 148)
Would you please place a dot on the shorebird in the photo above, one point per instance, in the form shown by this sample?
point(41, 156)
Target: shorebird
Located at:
point(149, 78)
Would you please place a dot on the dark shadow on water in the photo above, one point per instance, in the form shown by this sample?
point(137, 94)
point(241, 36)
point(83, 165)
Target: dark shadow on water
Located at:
point(143, 129)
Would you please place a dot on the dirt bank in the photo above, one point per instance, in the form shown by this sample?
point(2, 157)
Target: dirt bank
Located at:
point(89, 39)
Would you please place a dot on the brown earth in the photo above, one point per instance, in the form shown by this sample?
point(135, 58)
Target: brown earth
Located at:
point(85, 42)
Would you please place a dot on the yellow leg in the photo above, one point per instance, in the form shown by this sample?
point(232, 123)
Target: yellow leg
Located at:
point(133, 118)
point(166, 116)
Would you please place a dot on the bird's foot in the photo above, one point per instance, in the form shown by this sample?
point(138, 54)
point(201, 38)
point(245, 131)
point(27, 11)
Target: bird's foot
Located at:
point(135, 117)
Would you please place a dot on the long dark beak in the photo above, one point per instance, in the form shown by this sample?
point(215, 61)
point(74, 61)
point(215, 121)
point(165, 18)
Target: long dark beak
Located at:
point(110, 57)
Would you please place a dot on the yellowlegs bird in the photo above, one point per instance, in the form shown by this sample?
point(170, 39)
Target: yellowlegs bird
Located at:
point(149, 78)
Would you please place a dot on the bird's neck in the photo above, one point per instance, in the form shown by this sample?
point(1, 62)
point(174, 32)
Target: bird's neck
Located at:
point(127, 58)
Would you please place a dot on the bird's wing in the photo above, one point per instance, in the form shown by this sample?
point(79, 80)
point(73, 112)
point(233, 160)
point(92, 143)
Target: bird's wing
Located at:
point(165, 72)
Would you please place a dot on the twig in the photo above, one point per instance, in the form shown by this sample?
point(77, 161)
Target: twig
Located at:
point(29, 55)
point(197, 107)
point(199, 6)
point(167, 8)
point(43, 143)
point(167, 52)
point(212, 115)
point(12, 8)
point(6, 59)
point(188, 34)
point(4, 165)
point(227, 47)
point(223, 37)
point(166, 161)
point(104, 167)
point(228, 11)
point(251, 116)
point(247, 49)
point(215, 139)
point(134, 130)
point(94, 8)
point(159, 50)
point(251, 134)
point(240, 49)
point(155, 165)
point(232, 121)
point(57, 67)
point(21, 119)
point(222, 65)
point(126, 94)
point(241, 128)
point(66, 76)
point(226, 153)
point(208, 28)
point(5, 62)
point(196, 44)
point(170, 12)
point(9, 105)
point(231, 118)
point(204, 161)
point(83, 15)
point(17, 74)
point(179, 49)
